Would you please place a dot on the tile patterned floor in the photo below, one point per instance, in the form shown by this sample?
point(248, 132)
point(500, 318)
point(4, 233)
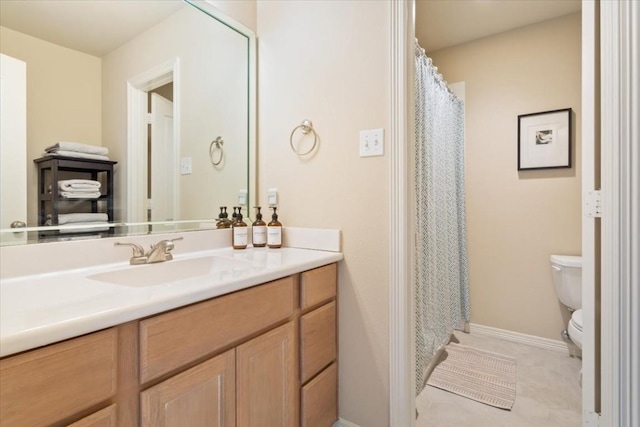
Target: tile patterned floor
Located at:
point(548, 392)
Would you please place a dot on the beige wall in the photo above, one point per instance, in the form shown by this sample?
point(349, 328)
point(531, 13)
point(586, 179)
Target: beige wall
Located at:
point(329, 62)
point(63, 99)
point(517, 219)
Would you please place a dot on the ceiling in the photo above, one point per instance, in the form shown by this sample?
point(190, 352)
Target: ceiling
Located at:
point(98, 27)
point(446, 23)
point(95, 27)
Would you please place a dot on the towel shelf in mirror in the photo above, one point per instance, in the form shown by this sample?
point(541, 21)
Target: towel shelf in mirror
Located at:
point(51, 204)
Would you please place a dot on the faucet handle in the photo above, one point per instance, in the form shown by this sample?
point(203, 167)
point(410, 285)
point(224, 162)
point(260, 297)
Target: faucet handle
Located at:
point(137, 249)
point(168, 244)
point(138, 257)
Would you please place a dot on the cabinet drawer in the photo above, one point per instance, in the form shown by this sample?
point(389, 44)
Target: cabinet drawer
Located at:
point(42, 386)
point(103, 418)
point(318, 285)
point(169, 341)
point(319, 399)
point(317, 340)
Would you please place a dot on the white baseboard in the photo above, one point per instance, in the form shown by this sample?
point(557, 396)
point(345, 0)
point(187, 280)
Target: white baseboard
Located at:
point(344, 423)
point(517, 337)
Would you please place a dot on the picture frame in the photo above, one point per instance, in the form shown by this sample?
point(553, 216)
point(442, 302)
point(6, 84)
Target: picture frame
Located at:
point(544, 140)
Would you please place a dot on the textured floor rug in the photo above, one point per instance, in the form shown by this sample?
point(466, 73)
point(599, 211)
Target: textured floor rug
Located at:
point(480, 375)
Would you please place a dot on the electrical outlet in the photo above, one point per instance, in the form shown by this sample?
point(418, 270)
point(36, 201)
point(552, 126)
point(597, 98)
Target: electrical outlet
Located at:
point(185, 166)
point(242, 197)
point(371, 143)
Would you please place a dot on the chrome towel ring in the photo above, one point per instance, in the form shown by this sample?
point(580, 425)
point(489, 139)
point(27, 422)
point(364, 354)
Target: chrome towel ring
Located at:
point(218, 142)
point(306, 128)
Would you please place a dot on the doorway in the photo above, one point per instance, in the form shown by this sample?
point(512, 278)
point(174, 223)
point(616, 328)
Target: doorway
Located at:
point(153, 146)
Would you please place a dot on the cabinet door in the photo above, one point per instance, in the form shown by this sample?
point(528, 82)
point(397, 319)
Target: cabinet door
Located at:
point(266, 373)
point(201, 396)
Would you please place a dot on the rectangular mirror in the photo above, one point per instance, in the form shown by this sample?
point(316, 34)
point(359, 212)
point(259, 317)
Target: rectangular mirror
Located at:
point(168, 87)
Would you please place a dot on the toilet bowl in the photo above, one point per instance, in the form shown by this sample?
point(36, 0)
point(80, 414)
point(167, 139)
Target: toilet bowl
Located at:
point(567, 279)
point(575, 328)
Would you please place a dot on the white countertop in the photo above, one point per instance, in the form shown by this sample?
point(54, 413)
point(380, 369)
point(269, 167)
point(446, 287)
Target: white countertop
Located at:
point(41, 309)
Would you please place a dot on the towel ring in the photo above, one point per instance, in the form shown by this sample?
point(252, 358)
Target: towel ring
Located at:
point(306, 128)
point(218, 142)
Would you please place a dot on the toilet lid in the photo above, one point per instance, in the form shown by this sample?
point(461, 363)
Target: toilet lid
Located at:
point(576, 319)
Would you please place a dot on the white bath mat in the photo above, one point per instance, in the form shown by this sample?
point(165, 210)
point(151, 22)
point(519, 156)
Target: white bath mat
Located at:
point(480, 375)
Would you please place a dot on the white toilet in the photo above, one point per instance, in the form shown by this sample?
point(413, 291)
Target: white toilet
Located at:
point(567, 278)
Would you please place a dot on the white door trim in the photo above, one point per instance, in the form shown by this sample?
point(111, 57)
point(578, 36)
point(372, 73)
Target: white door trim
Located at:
point(137, 153)
point(590, 224)
point(620, 293)
point(401, 341)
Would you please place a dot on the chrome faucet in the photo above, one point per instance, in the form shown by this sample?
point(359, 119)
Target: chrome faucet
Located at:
point(159, 252)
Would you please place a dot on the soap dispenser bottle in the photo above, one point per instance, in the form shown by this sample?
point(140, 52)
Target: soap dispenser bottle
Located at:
point(225, 219)
point(259, 231)
point(234, 215)
point(222, 222)
point(274, 231)
point(239, 235)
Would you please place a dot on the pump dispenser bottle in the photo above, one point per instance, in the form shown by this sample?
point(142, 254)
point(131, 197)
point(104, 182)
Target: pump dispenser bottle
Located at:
point(234, 215)
point(222, 222)
point(239, 235)
point(259, 231)
point(223, 219)
point(274, 231)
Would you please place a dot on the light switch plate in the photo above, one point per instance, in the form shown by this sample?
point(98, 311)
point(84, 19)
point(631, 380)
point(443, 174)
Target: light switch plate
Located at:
point(372, 143)
point(272, 196)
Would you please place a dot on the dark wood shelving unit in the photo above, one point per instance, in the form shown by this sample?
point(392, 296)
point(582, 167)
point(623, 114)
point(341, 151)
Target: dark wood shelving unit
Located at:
point(49, 199)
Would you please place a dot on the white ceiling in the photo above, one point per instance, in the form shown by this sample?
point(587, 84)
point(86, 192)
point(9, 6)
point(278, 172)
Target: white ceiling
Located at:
point(95, 27)
point(98, 27)
point(446, 23)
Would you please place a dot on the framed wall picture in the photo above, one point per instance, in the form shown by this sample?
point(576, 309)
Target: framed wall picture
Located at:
point(544, 140)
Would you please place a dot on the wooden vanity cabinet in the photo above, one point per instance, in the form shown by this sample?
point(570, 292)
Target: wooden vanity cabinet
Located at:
point(262, 356)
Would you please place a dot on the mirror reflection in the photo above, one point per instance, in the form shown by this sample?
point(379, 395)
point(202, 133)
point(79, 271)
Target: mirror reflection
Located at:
point(147, 100)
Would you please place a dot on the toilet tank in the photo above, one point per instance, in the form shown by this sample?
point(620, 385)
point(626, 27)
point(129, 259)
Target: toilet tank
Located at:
point(567, 278)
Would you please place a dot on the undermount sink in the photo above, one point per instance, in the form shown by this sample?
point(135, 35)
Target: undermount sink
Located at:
point(171, 271)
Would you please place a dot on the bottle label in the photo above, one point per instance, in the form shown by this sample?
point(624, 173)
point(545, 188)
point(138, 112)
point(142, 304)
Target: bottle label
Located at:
point(239, 236)
point(274, 236)
point(259, 234)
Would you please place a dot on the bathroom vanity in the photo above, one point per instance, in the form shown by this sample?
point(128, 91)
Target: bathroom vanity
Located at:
point(262, 352)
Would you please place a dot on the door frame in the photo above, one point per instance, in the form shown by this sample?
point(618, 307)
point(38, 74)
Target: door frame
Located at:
point(620, 166)
point(137, 120)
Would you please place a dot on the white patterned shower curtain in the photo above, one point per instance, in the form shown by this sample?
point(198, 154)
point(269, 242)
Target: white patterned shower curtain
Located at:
point(441, 264)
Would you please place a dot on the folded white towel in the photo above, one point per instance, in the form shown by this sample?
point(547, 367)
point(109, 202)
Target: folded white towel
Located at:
point(84, 227)
point(76, 154)
point(80, 194)
point(78, 147)
point(79, 185)
point(72, 218)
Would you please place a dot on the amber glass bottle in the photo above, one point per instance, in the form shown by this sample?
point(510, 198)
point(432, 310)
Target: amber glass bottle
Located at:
point(239, 228)
point(259, 231)
point(274, 231)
